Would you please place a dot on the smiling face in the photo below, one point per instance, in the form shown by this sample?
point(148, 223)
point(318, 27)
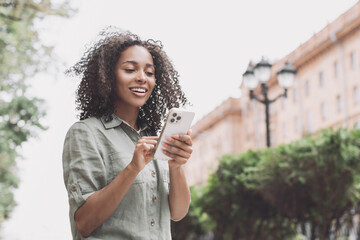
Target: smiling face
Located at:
point(135, 78)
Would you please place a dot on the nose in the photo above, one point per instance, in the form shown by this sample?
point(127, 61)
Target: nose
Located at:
point(141, 77)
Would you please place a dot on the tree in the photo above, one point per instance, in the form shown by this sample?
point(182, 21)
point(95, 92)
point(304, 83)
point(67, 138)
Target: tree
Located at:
point(233, 201)
point(196, 225)
point(22, 55)
point(306, 189)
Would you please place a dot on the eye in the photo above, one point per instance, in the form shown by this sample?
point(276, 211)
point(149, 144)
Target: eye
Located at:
point(128, 70)
point(150, 74)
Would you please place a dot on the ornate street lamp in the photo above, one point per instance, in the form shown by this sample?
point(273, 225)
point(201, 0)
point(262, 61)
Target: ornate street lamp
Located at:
point(261, 73)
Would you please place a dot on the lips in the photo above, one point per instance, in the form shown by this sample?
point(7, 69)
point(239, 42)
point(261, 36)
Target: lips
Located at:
point(139, 91)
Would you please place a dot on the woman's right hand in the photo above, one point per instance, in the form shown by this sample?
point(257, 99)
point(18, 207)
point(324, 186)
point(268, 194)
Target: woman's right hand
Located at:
point(143, 153)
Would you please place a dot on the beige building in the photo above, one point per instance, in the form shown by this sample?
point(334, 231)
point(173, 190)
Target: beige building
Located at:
point(325, 93)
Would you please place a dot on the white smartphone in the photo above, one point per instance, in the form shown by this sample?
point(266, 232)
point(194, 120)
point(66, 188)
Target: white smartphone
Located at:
point(178, 122)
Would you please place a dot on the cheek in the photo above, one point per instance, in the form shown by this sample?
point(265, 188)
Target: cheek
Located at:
point(153, 83)
point(118, 86)
point(120, 80)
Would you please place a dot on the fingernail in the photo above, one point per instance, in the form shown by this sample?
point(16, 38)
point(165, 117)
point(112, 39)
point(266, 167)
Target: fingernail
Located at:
point(175, 136)
point(169, 139)
point(165, 144)
point(165, 152)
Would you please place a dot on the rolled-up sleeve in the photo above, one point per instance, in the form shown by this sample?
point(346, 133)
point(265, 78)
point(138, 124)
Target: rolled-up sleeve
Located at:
point(83, 166)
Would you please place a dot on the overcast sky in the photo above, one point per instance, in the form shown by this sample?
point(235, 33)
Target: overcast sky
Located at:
point(210, 44)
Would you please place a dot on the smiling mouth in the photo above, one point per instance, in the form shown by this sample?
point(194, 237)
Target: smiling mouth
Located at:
point(139, 90)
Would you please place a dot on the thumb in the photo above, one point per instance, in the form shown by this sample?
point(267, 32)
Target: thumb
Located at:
point(189, 132)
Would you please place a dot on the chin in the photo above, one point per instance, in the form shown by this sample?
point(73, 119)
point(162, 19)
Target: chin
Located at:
point(138, 105)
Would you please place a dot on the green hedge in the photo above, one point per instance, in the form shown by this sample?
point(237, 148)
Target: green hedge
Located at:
point(309, 187)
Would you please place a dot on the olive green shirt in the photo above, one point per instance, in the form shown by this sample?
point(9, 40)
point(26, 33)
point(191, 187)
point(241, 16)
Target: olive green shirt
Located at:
point(95, 152)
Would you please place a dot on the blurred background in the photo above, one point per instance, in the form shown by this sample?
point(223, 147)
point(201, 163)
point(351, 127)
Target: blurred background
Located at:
point(209, 42)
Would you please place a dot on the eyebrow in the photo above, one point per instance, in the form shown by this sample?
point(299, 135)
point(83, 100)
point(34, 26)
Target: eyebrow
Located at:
point(136, 63)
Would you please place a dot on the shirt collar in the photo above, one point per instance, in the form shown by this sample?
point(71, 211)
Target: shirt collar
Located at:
point(116, 121)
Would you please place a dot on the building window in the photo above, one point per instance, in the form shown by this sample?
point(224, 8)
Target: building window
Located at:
point(321, 79)
point(245, 109)
point(272, 109)
point(356, 95)
point(251, 105)
point(307, 90)
point(336, 69)
point(284, 130)
point(273, 136)
point(323, 111)
point(295, 95)
point(296, 124)
point(357, 124)
point(353, 60)
point(282, 103)
point(309, 121)
point(338, 103)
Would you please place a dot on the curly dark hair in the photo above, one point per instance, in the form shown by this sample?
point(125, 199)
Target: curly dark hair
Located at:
point(95, 96)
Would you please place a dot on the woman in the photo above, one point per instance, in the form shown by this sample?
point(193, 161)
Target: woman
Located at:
point(115, 189)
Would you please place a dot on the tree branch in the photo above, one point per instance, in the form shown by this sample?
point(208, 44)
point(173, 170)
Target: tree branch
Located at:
point(12, 18)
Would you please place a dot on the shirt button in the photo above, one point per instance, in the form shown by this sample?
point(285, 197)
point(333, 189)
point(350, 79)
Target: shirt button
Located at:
point(153, 173)
point(152, 222)
point(73, 188)
point(154, 198)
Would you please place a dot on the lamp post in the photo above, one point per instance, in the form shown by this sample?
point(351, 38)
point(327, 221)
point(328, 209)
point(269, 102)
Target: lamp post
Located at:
point(261, 73)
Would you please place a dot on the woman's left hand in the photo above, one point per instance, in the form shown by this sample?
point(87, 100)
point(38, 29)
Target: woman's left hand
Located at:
point(179, 148)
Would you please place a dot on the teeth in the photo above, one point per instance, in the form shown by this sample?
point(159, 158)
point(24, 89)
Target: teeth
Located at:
point(141, 90)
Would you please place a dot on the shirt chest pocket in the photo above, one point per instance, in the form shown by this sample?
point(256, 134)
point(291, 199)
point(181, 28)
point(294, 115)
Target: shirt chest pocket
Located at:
point(118, 162)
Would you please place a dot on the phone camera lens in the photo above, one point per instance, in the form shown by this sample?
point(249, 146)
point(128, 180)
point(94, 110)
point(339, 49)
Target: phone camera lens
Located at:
point(174, 114)
point(172, 120)
point(178, 118)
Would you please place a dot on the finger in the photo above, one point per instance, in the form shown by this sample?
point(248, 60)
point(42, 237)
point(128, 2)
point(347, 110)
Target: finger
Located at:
point(177, 158)
point(183, 138)
point(185, 153)
point(145, 146)
point(180, 149)
point(152, 138)
point(179, 143)
point(189, 132)
point(148, 141)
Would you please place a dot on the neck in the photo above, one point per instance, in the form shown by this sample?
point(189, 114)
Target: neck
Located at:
point(127, 114)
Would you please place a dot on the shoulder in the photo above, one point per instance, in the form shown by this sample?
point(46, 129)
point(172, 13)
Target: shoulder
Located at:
point(86, 126)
